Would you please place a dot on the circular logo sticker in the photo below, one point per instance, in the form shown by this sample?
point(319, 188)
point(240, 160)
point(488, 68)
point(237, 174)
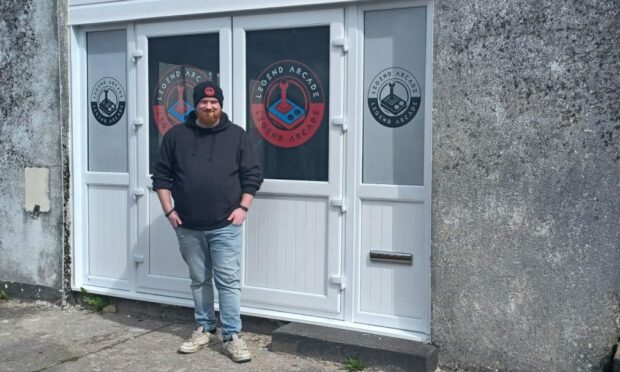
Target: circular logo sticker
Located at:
point(173, 94)
point(287, 104)
point(394, 97)
point(107, 101)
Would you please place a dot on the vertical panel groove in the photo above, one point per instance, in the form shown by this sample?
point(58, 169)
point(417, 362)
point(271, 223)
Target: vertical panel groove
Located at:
point(107, 231)
point(287, 244)
point(387, 288)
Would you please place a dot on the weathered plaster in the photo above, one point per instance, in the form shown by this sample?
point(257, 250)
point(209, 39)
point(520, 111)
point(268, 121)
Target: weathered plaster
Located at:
point(29, 137)
point(526, 180)
point(65, 104)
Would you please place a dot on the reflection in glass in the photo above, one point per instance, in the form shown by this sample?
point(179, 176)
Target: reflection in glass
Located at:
point(176, 65)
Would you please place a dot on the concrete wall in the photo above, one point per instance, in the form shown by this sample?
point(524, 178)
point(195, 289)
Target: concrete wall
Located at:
point(526, 184)
point(30, 136)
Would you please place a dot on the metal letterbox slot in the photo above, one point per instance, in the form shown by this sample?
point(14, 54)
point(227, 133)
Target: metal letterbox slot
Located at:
point(394, 257)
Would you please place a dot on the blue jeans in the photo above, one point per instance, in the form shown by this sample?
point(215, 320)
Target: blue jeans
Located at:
point(214, 254)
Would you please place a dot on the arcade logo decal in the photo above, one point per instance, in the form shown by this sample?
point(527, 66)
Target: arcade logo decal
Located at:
point(172, 97)
point(394, 97)
point(107, 101)
point(287, 104)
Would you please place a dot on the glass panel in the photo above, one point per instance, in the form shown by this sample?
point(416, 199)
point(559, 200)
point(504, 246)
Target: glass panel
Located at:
point(288, 85)
point(394, 71)
point(107, 118)
point(176, 65)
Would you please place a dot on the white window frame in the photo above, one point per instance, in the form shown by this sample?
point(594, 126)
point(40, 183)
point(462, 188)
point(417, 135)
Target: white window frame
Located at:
point(143, 32)
point(87, 15)
point(79, 144)
point(354, 22)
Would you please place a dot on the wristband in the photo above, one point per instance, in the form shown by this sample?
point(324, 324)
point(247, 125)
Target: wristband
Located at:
point(167, 214)
point(245, 209)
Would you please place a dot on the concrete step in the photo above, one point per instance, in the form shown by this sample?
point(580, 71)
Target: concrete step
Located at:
point(387, 353)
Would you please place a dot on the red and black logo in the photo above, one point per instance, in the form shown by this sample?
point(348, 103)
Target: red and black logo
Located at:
point(209, 92)
point(394, 97)
point(173, 94)
point(107, 101)
point(287, 104)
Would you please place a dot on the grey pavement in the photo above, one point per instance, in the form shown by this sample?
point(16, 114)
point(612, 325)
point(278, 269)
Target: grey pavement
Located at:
point(42, 337)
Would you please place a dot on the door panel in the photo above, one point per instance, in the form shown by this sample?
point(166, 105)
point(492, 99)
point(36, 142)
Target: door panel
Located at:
point(291, 86)
point(289, 233)
point(393, 186)
point(176, 57)
point(389, 290)
point(106, 174)
point(108, 236)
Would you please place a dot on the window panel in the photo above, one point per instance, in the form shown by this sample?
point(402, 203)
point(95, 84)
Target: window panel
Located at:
point(176, 65)
point(107, 111)
point(394, 71)
point(288, 83)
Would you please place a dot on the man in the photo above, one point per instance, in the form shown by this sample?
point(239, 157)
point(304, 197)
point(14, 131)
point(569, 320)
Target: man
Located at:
point(211, 172)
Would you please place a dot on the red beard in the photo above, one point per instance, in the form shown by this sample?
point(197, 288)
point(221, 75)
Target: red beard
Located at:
point(208, 118)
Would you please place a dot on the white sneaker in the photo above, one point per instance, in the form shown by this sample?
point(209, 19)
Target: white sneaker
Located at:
point(237, 350)
point(198, 340)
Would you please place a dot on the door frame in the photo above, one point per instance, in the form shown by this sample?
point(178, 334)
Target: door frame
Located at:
point(79, 156)
point(355, 104)
point(222, 25)
point(352, 105)
point(334, 187)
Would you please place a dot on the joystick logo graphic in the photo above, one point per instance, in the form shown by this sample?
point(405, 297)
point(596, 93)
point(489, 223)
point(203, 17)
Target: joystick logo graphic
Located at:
point(287, 104)
point(107, 101)
point(172, 96)
point(394, 97)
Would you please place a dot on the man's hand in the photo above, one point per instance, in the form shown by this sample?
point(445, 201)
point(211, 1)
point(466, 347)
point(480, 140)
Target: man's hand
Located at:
point(166, 205)
point(174, 219)
point(237, 216)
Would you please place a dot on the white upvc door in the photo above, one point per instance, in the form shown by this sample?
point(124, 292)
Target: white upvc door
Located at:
point(288, 93)
point(102, 144)
point(341, 124)
point(390, 165)
point(172, 57)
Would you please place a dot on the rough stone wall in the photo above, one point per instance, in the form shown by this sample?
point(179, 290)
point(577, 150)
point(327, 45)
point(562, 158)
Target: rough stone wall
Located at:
point(30, 136)
point(526, 184)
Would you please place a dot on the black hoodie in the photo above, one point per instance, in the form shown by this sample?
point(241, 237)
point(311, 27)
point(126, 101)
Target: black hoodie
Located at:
point(207, 170)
